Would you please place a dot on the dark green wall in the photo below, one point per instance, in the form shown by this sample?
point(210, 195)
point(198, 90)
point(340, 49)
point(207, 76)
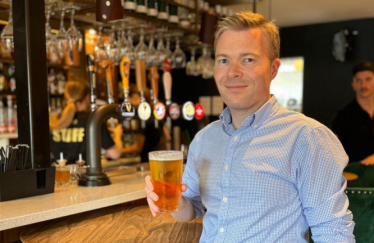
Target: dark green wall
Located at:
point(327, 81)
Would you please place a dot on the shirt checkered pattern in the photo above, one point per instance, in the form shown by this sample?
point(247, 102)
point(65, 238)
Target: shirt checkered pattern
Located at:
point(268, 181)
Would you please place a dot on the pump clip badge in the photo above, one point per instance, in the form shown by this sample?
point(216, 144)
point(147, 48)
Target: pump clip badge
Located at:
point(188, 111)
point(174, 111)
point(159, 111)
point(199, 111)
point(144, 111)
point(128, 111)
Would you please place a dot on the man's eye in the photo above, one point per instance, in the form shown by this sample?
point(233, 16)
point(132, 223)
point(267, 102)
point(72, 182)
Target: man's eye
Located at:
point(223, 61)
point(248, 60)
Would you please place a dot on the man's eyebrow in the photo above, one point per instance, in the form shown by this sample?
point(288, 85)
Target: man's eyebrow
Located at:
point(241, 55)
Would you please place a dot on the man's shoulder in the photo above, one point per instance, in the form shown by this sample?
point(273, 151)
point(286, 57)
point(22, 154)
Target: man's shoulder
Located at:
point(293, 118)
point(210, 129)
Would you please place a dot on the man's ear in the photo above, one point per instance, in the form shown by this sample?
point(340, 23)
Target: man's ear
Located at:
point(274, 68)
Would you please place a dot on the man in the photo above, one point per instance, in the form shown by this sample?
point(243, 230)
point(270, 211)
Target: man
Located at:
point(354, 125)
point(261, 173)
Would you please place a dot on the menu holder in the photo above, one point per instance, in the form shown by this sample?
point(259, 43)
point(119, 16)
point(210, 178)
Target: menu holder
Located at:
point(26, 183)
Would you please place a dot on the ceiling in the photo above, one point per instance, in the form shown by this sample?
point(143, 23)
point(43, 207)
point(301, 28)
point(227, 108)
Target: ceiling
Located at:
point(303, 12)
point(285, 13)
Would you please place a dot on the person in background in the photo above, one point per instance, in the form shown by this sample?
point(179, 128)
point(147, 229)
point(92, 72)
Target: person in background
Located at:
point(68, 128)
point(146, 139)
point(261, 173)
point(354, 125)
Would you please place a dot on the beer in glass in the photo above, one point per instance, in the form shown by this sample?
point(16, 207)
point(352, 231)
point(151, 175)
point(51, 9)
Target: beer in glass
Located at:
point(166, 173)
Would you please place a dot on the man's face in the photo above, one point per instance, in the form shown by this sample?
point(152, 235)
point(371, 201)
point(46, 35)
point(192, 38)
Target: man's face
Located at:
point(243, 71)
point(363, 84)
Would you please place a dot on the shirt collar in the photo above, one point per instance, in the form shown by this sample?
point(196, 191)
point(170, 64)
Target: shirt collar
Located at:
point(257, 118)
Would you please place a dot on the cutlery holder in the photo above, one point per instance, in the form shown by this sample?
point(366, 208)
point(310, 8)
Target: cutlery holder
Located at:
point(26, 183)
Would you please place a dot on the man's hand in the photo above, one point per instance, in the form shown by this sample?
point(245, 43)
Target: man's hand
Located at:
point(368, 160)
point(152, 196)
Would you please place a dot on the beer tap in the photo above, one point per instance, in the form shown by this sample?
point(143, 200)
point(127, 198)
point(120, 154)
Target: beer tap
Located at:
point(158, 107)
point(91, 76)
point(109, 89)
point(172, 107)
point(144, 109)
point(128, 110)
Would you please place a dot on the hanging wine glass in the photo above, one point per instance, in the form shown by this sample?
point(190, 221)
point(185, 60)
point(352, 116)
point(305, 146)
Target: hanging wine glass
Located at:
point(122, 44)
point(151, 53)
point(178, 58)
point(61, 37)
point(206, 63)
point(193, 68)
point(111, 47)
point(74, 35)
point(100, 49)
point(141, 48)
point(130, 48)
point(168, 52)
point(161, 51)
point(50, 38)
point(7, 33)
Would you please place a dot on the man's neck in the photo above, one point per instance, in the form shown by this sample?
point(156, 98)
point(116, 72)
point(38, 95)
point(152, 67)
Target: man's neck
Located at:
point(239, 115)
point(367, 104)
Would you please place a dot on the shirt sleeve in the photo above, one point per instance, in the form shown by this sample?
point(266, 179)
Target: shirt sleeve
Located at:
point(191, 178)
point(321, 160)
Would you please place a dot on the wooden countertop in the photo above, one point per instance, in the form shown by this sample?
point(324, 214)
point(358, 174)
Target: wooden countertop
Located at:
point(115, 224)
point(71, 200)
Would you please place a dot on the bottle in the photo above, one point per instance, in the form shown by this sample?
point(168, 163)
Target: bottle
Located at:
point(52, 82)
point(163, 11)
point(173, 14)
point(141, 6)
point(12, 84)
point(129, 5)
point(10, 124)
point(60, 83)
point(183, 15)
point(152, 8)
point(224, 12)
point(2, 118)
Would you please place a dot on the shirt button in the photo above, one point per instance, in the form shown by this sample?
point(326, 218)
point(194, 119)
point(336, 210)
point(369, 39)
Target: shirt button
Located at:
point(221, 230)
point(235, 138)
point(226, 167)
point(255, 126)
point(224, 199)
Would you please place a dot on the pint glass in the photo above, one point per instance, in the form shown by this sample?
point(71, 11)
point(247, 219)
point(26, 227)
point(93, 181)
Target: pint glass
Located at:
point(166, 173)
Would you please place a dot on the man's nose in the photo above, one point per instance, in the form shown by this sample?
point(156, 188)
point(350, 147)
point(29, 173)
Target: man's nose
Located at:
point(235, 70)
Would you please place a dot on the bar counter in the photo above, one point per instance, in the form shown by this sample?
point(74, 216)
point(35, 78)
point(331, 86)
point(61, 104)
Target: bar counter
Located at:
point(70, 200)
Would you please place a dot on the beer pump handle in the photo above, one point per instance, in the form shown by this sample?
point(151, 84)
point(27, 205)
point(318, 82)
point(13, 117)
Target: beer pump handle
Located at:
point(109, 71)
point(167, 80)
point(154, 81)
point(125, 71)
point(140, 75)
point(91, 76)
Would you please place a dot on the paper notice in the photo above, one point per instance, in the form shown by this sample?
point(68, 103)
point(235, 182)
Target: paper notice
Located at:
point(217, 105)
point(206, 102)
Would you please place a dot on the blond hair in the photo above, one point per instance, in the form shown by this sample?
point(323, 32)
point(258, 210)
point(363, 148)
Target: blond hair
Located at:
point(247, 20)
point(75, 91)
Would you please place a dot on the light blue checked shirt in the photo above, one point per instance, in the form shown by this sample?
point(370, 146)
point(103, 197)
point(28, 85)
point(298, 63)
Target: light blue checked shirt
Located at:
point(269, 180)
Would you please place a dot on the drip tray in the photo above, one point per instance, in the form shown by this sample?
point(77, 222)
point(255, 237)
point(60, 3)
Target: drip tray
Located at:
point(119, 170)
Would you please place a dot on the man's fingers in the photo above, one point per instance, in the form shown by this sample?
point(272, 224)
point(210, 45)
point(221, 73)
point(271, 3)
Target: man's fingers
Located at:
point(151, 194)
point(152, 206)
point(184, 187)
point(148, 183)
